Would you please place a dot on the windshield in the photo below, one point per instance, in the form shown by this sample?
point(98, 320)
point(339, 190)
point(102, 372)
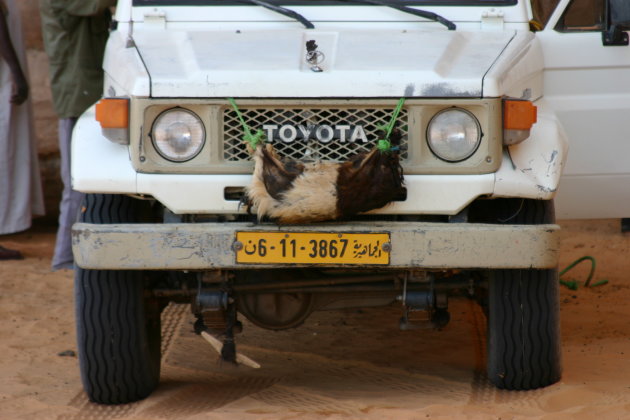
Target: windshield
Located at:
point(323, 2)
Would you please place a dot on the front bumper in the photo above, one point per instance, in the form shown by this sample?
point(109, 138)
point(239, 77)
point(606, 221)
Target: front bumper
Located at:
point(414, 245)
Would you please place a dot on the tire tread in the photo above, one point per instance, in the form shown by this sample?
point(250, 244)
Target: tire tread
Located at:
point(119, 358)
point(523, 322)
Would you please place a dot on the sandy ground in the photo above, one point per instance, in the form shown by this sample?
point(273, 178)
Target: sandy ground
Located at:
point(340, 364)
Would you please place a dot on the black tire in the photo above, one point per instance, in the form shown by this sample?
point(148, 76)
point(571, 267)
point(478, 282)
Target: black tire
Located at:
point(118, 328)
point(523, 312)
point(523, 329)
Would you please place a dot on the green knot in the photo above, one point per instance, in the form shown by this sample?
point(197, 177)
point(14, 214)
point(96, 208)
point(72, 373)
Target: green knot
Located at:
point(252, 138)
point(384, 145)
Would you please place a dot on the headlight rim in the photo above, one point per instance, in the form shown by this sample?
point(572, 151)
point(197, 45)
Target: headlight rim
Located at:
point(478, 140)
point(160, 151)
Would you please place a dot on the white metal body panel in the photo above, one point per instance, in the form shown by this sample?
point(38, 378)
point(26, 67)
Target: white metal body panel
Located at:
point(426, 194)
point(99, 165)
point(534, 167)
point(318, 14)
point(588, 85)
point(250, 51)
point(358, 63)
point(124, 71)
point(518, 72)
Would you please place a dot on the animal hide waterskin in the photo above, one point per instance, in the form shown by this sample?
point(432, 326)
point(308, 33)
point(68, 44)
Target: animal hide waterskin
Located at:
point(291, 192)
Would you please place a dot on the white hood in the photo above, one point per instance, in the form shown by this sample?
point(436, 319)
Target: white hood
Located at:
point(357, 63)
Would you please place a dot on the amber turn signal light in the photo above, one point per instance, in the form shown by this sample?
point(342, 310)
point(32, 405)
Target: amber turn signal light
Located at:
point(519, 114)
point(113, 113)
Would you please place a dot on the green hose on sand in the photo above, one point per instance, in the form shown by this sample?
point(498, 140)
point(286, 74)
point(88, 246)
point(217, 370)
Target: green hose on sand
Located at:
point(572, 284)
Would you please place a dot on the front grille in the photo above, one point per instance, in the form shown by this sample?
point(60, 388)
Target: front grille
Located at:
point(334, 123)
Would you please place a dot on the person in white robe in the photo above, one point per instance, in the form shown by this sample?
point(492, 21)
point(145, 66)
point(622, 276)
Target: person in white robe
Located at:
point(21, 195)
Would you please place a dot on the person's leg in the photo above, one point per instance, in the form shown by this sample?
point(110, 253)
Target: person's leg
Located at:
point(70, 200)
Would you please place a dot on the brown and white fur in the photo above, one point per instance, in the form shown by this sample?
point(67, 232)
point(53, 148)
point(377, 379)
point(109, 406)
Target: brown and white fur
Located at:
point(293, 192)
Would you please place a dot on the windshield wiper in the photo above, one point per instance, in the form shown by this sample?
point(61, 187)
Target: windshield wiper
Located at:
point(422, 13)
point(284, 11)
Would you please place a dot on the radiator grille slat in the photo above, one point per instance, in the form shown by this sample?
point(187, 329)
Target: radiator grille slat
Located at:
point(310, 118)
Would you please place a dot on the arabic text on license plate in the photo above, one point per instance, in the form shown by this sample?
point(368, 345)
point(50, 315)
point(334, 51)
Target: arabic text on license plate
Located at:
point(312, 248)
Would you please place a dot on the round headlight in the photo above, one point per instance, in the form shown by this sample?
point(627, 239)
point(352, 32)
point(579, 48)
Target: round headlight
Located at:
point(453, 134)
point(178, 135)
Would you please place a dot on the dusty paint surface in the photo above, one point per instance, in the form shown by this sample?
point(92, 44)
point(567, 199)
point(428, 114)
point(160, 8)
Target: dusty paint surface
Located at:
point(206, 245)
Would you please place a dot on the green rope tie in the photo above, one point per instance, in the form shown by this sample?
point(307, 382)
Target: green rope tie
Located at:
point(385, 145)
point(252, 139)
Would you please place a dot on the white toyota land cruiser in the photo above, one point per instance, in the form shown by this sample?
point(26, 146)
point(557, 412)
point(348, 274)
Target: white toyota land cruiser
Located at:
point(484, 97)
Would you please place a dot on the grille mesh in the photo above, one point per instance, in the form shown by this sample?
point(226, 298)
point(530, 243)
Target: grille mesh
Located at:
point(234, 150)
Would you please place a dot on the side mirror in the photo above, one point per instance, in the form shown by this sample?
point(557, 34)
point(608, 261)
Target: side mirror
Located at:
point(617, 21)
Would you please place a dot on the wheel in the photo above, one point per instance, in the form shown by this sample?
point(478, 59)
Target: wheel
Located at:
point(523, 329)
point(523, 312)
point(118, 327)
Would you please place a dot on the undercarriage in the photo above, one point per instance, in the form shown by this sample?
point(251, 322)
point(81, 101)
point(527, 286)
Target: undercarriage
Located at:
point(282, 299)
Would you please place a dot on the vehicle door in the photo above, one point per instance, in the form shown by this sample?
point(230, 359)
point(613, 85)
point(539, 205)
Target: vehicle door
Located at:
point(588, 85)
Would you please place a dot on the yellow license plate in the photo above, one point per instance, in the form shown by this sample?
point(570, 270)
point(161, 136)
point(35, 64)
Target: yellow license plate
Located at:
point(312, 248)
